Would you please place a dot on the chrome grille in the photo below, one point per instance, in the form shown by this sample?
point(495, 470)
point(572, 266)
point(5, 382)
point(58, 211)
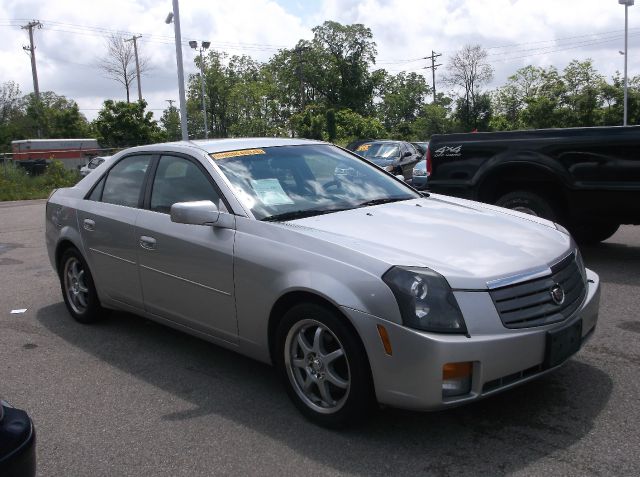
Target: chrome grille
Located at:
point(530, 304)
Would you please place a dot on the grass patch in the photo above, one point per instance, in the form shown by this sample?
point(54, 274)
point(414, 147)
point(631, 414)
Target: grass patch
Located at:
point(17, 184)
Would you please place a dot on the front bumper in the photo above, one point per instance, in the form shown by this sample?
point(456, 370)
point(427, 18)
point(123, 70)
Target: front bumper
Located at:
point(411, 377)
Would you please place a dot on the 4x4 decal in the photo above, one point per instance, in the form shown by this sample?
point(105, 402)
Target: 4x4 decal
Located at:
point(448, 151)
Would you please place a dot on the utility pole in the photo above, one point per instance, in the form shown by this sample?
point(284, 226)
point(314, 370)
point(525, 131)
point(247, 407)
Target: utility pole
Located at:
point(433, 69)
point(34, 71)
point(135, 51)
point(174, 17)
point(299, 50)
point(170, 101)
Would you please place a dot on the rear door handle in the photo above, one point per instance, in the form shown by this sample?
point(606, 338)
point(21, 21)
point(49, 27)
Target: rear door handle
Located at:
point(89, 225)
point(148, 243)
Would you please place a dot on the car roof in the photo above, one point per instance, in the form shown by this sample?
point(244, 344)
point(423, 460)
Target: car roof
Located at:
point(221, 145)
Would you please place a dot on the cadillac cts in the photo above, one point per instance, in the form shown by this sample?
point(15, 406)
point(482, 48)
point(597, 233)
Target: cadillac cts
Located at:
point(359, 289)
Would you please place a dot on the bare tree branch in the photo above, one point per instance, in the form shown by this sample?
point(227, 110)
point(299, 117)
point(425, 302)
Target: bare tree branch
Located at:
point(119, 63)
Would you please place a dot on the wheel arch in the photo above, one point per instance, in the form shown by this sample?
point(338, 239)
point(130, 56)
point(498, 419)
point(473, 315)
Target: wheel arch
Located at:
point(61, 247)
point(523, 175)
point(295, 297)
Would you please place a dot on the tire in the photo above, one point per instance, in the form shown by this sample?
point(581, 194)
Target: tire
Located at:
point(593, 233)
point(332, 393)
point(78, 289)
point(529, 203)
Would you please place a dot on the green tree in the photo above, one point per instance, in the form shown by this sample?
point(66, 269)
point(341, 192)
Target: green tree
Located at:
point(55, 115)
point(121, 124)
point(170, 122)
point(346, 51)
point(10, 115)
point(402, 97)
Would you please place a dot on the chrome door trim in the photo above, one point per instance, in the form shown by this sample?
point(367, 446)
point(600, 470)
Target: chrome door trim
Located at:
point(185, 280)
point(112, 256)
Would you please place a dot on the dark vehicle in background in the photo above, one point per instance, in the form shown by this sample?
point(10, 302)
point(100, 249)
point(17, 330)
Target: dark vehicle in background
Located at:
point(397, 157)
point(421, 147)
point(17, 443)
point(420, 176)
point(587, 179)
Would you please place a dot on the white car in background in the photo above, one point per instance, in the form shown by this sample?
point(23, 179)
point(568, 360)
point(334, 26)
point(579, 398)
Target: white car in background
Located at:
point(92, 164)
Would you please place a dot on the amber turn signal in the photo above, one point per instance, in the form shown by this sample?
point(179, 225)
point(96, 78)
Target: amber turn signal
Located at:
point(457, 370)
point(384, 337)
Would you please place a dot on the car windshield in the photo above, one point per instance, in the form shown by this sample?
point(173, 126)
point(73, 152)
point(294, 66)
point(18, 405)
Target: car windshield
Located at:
point(379, 150)
point(290, 182)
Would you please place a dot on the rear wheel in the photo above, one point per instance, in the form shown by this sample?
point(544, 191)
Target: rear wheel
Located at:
point(529, 203)
point(324, 366)
point(592, 233)
point(78, 289)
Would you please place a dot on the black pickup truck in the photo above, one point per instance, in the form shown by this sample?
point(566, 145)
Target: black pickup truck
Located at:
point(587, 179)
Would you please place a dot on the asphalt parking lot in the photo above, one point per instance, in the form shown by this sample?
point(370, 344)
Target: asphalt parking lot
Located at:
point(130, 397)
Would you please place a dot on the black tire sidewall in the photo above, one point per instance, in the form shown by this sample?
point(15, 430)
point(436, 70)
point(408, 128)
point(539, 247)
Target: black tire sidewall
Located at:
point(537, 203)
point(361, 399)
point(94, 311)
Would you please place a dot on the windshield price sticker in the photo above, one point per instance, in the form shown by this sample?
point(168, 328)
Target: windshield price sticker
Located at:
point(363, 147)
point(243, 152)
point(270, 192)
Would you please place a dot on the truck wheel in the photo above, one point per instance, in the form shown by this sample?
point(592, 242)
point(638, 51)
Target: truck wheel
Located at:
point(529, 203)
point(593, 233)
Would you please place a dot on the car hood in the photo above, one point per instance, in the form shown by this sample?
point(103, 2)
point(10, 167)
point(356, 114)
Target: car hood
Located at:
point(469, 243)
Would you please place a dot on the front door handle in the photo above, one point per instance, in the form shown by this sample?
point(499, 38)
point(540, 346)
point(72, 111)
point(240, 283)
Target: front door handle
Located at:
point(148, 243)
point(89, 225)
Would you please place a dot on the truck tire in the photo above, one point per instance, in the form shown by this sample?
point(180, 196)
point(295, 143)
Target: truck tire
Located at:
point(593, 233)
point(529, 203)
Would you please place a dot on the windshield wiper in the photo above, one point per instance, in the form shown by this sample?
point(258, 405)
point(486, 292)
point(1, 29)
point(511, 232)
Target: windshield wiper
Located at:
point(386, 200)
point(300, 214)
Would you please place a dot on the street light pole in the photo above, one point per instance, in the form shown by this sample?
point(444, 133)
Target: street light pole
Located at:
point(204, 46)
point(627, 4)
point(175, 17)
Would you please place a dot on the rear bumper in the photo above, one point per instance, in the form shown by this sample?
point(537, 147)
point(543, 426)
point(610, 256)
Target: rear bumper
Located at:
point(411, 377)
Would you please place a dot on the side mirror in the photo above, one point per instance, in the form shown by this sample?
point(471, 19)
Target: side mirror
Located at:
point(201, 212)
point(407, 154)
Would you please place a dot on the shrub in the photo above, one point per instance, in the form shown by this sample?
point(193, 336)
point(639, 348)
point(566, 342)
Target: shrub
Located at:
point(17, 184)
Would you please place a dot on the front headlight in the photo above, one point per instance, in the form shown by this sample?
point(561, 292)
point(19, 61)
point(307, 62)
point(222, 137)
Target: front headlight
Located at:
point(425, 300)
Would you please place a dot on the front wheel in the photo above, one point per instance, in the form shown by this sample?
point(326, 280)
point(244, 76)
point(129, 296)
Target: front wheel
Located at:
point(529, 203)
point(324, 366)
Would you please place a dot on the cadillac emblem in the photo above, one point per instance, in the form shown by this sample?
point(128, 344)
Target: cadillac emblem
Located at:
point(557, 294)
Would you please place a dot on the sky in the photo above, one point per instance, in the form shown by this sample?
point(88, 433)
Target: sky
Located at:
point(515, 33)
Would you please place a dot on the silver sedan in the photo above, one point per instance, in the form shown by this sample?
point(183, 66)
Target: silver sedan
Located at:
point(359, 289)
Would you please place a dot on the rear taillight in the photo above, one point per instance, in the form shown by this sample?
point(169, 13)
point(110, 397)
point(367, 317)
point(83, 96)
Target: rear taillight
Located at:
point(428, 161)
